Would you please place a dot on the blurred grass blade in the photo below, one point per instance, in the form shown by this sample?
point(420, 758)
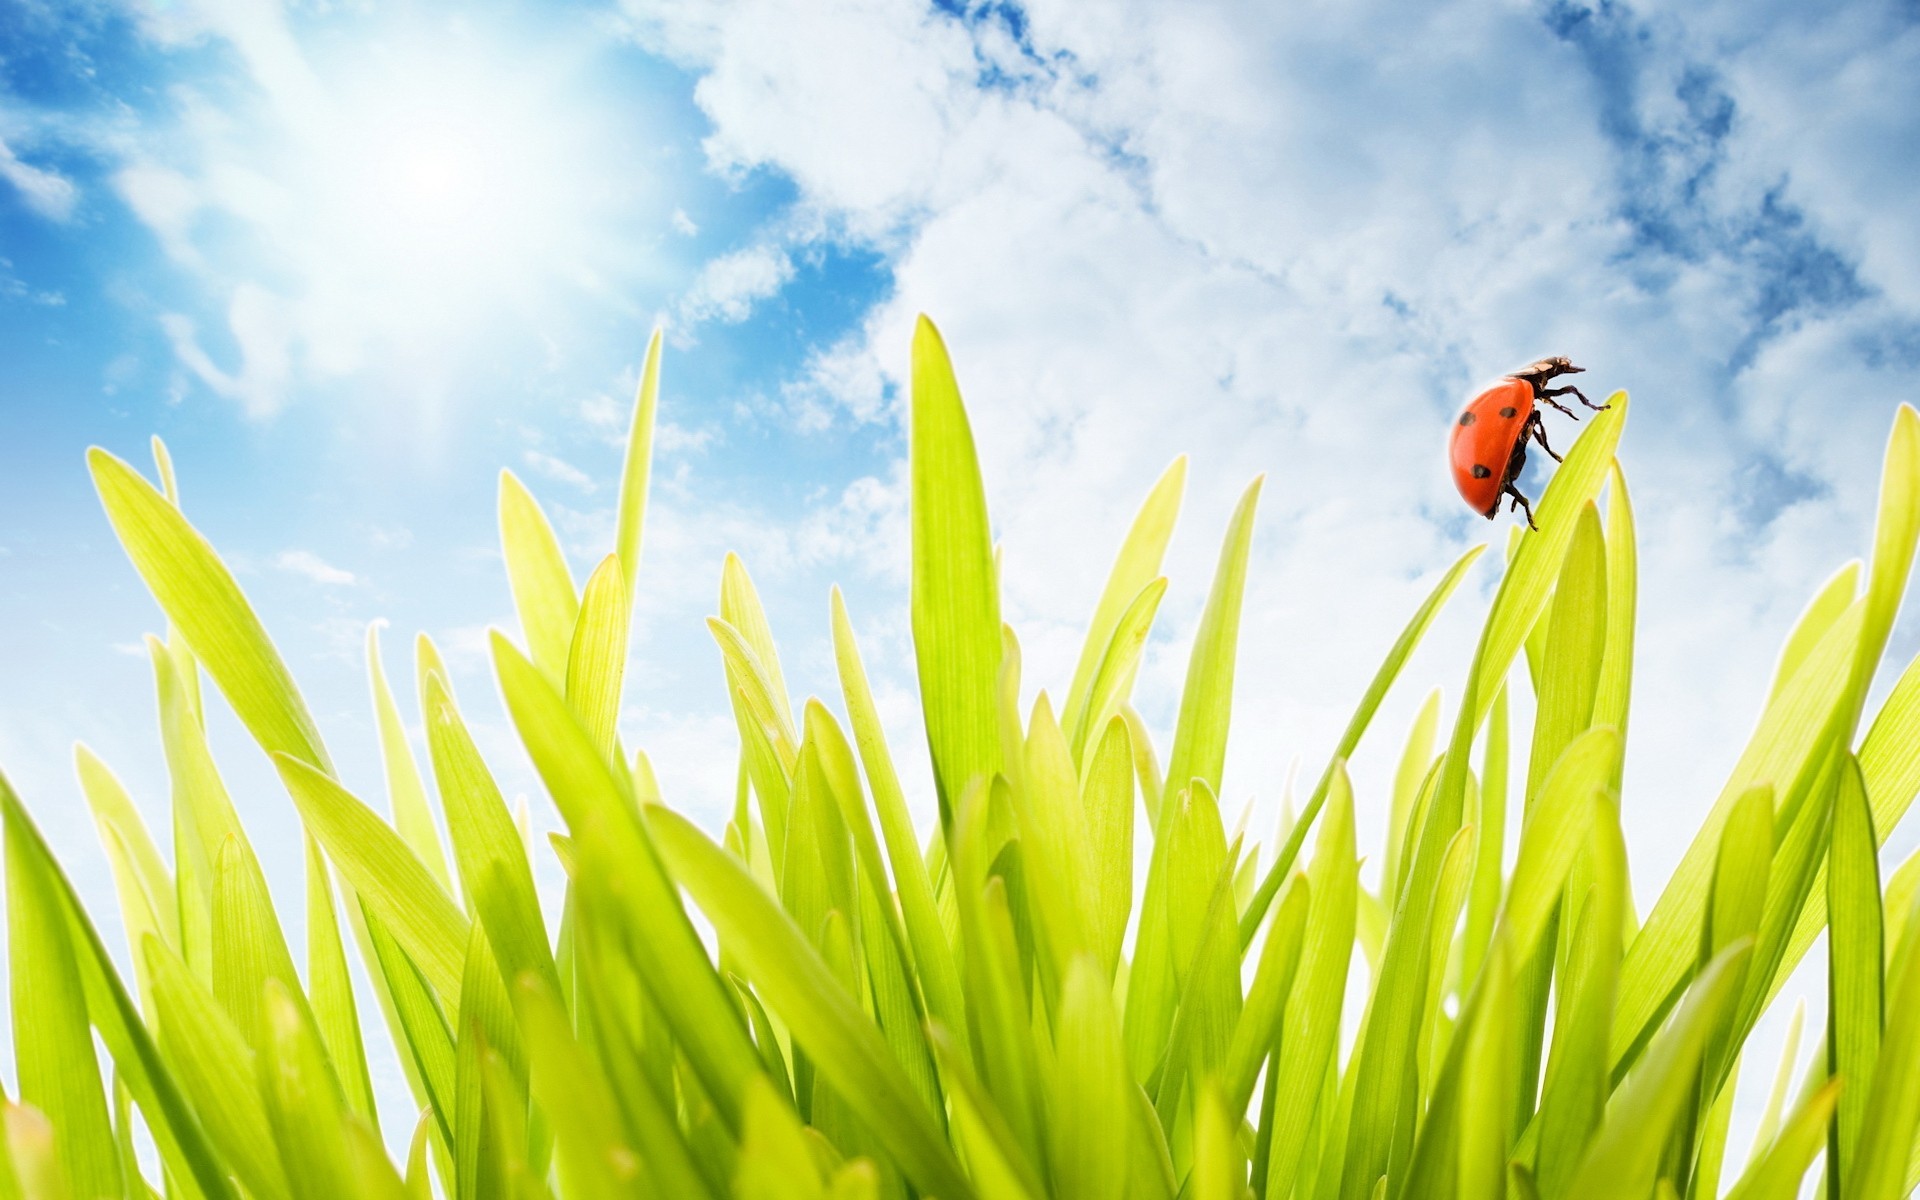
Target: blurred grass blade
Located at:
point(1892, 1108)
point(1777, 1173)
point(182, 1145)
point(1088, 1135)
point(52, 1045)
point(1624, 1156)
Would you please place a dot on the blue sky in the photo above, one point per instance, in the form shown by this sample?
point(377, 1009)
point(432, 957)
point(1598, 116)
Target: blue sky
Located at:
point(352, 260)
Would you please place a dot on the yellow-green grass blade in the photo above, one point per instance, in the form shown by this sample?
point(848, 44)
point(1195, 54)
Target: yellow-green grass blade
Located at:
point(1415, 771)
point(594, 1152)
point(52, 1045)
point(1199, 754)
point(955, 588)
point(1489, 846)
point(1205, 966)
point(1578, 1074)
point(1624, 1155)
point(334, 1010)
point(776, 1161)
point(598, 807)
point(997, 1161)
point(199, 596)
point(638, 466)
point(1134, 569)
point(406, 794)
point(302, 1100)
point(996, 977)
point(495, 872)
point(1089, 1127)
point(543, 593)
point(384, 874)
point(1206, 700)
point(799, 986)
point(1465, 1136)
point(213, 1063)
point(1889, 759)
point(176, 1132)
point(1383, 680)
point(485, 1025)
point(1827, 606)
point(1855, 957)
point(1219, 1171)
point(1557, 834)
point(176, 645)
point(1782, 752)
point(1053, 834)
point(415, 1019)
point(1107, 797)
point(1113, 682)
point(1896, 535)
point(597, 656)
point(1611, 699)
point(1258, 1027)
point(1892, 1109)
point(248, 948)
point(1310, 1026)
point(203, 814)
point(1777, 1173)
point(140, 876)
point(932, 951)
point(1576, 644)
point(741, 609)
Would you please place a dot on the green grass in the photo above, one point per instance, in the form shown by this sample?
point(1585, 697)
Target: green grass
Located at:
point(994, 1006)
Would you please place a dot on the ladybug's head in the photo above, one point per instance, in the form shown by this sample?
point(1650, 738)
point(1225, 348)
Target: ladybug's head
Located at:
point(1560, 366)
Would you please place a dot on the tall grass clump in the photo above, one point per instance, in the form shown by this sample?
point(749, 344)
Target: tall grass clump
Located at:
point(826, 1001)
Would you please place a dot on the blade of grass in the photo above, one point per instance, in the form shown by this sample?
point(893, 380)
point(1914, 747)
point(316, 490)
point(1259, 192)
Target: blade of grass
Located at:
point(199, 596)
point(543, 591)
point(956, 593)
point(797, 985)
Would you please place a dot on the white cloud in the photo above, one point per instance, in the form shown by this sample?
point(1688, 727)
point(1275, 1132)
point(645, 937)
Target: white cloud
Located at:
point(682, 223)
point(310, 565)
point(48, 193)
point(728, 286)
point(559, 469)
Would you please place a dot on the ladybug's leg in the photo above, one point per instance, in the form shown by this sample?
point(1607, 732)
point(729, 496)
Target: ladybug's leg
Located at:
point(1561, 391)
point(1539, 431)
point(1522, 503)
point(1547, 397)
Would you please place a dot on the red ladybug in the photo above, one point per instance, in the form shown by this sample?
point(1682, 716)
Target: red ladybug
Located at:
point(1489, 443)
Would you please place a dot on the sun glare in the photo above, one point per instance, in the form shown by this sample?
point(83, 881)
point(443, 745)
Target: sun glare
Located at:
point(438, 186)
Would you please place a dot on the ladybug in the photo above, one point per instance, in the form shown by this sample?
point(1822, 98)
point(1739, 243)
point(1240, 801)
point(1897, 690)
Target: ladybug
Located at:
point(1489, 443)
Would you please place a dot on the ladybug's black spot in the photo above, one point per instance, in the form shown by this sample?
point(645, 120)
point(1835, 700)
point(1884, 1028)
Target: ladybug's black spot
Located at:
point(1508, 411)
point(1468, 418)
point(1480, 472)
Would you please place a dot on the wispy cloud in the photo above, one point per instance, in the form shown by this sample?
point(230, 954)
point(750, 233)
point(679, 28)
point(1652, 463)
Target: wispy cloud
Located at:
point(729, 286)
point(559, 469)
point(46, 192)
point(311, 566)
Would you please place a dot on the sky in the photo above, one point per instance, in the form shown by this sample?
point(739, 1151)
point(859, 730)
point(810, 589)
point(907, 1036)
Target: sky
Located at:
point(351, 260)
